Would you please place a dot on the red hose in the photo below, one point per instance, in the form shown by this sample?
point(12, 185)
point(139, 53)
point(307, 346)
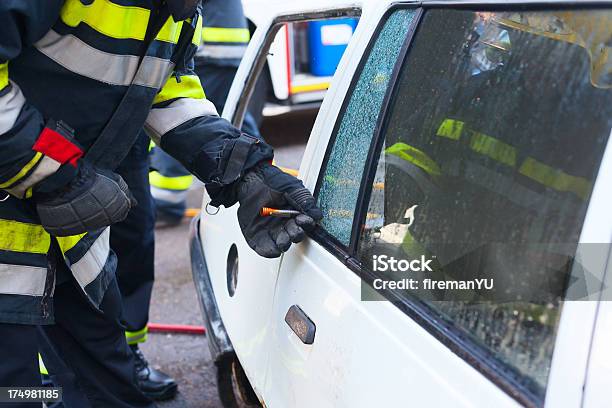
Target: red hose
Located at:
point(176, 328)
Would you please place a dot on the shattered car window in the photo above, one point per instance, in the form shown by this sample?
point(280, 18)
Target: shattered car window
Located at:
point(337, 196)
point(492, 146)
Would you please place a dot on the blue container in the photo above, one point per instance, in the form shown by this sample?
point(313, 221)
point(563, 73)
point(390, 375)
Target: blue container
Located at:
point(327, 41)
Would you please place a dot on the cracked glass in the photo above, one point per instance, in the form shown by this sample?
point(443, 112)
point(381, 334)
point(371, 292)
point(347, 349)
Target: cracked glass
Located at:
point(337, 196)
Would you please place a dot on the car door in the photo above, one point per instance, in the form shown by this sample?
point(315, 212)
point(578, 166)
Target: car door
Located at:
point(244, 282)
point(470, 139)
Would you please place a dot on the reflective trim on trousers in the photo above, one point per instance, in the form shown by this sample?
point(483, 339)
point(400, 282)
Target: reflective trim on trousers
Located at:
point(87, 269)
point(22, 280)
point(157, 179)
point(162, 120)
point(136, 337)
point(221, 51)
point(83, 59)
point(169, 196)
point(10, 108)
point(4, 81)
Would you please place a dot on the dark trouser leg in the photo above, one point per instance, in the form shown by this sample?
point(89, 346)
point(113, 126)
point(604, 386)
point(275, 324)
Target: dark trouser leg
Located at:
point(133, 240)
point(19, 359)
point(93, 348)
point(169, 184)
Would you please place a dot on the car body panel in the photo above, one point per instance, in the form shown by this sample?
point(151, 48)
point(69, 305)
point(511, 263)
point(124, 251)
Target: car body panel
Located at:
point(356, 340)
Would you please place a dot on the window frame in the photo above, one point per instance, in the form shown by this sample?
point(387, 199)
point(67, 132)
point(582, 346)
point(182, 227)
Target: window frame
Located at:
point(479, 357)
point(256, 69)
point(338, 249)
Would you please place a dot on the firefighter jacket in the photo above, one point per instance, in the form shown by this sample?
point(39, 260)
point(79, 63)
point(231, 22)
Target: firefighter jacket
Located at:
point(74, 61)
point(225, 33)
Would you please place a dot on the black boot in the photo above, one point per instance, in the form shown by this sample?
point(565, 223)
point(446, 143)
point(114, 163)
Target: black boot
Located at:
point(153, 383)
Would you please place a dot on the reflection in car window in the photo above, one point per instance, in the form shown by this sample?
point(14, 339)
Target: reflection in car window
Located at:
point(340, 184)
point(492, 146)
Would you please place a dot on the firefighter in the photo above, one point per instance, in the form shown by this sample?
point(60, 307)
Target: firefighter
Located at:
point(225, 36)
point(78, 80)
point(133, 240)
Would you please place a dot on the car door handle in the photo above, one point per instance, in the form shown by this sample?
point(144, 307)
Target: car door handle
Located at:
point(301, 324)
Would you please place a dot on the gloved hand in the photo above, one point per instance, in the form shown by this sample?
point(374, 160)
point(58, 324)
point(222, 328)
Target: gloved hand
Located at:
point(267, 186)
point(91, 201)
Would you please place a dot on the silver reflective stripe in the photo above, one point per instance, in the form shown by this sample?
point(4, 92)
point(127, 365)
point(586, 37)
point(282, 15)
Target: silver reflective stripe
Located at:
point(153, 72)
point(10, 107)
point(22, 280)
point(170, 196)
point(135, 338)
point(87, 269)
point(221, 51)
point(46, 167)
point(162, 120)
point(83, 59)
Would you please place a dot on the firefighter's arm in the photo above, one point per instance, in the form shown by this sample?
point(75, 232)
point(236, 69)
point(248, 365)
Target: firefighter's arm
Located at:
point(236, 167)
point(31, 148)
point(186, 125)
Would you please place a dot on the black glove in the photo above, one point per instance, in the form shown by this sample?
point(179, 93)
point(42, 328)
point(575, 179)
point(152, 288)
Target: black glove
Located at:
point(90, 201)
point(267, 186)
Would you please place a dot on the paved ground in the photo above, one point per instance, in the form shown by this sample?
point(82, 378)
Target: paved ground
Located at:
point(186, 357)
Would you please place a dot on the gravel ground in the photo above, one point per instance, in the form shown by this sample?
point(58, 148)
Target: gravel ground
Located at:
point(186, 357)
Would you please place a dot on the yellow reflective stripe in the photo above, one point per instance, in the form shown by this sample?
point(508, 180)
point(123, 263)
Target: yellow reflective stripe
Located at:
point(189, 87)
point(554, 178)
point(170, 32)
point(67, 243)
point(507, 154)
point(136, 337)
point(4, 81)
point(451, 129)
point(170, 183)
point(494, 148)
point(23, 237)
point(116, 21)
point(415, 156)
point(107, 18)
point(227, 35)
point(197, 35)
point(23, 171)
point(41, 366)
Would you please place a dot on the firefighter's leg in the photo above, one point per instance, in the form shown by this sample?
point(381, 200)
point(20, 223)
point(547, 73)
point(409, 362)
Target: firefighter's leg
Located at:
point(133, 240)
point(169, 184)
point(19, 359)
point(93, 348)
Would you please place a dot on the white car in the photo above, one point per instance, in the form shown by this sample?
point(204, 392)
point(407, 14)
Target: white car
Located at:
point(468, 139)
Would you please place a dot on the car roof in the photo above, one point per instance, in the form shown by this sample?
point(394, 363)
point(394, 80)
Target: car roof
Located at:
point(259, 8)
